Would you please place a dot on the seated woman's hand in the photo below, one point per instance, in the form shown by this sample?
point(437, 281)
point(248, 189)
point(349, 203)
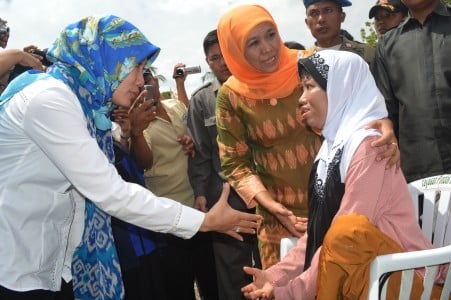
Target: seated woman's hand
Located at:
point(261, 288)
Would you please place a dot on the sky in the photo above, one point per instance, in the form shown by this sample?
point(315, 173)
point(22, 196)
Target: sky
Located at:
point(176, 26)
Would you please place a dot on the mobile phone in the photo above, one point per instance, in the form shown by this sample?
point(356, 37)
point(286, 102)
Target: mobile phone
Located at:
point(150, 94)
point(150, 91)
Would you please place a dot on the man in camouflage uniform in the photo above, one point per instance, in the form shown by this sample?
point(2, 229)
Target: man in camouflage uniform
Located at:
point(324, 18)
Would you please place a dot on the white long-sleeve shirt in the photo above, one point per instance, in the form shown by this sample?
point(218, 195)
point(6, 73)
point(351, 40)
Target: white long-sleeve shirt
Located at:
point(48, 164)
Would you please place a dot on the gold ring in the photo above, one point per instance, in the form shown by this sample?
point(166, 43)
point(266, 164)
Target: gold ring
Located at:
point(237, 230)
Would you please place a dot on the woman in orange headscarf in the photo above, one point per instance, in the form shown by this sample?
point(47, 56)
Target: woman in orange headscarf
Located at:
point(266, 150)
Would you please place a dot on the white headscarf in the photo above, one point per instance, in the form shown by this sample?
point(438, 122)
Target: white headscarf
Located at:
point(353, 102)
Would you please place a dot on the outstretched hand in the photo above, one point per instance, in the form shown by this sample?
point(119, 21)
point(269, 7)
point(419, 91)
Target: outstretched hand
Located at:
point(223, 218)
point(260, 288)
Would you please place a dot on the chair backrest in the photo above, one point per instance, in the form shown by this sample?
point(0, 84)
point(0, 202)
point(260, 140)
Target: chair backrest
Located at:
point(431, 198)
point(432, 201)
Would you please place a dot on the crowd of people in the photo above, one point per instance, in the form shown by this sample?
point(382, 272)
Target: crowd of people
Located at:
point(110, 191)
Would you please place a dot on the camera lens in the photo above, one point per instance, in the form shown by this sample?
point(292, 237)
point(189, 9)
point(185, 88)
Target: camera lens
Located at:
point(179, 72)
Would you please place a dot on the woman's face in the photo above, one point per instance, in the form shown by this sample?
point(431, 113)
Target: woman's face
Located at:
point(129, 89)
point(313, 103)
point(262, 48)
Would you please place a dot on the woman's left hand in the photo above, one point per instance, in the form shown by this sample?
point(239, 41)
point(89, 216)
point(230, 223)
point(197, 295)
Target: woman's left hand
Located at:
point(120, 116)
point(260, 288)
point(385, 126)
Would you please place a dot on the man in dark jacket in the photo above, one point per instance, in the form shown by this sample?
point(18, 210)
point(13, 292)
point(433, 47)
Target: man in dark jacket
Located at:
point(413, 72)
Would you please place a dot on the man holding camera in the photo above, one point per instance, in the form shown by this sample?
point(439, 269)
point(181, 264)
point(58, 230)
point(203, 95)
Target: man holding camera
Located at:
point(12, 58)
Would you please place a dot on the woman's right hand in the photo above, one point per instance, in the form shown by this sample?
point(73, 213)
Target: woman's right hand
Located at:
point(295, 225)
point(223, 218)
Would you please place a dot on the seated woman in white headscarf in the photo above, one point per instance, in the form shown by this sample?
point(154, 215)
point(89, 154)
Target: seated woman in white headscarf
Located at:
point(358, 208)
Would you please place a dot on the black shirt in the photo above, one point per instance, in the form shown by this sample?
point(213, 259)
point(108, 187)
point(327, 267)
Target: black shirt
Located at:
point(413, 72)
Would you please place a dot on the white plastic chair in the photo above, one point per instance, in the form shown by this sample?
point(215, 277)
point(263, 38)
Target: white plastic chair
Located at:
point(434, 213)
point(286, 244)
point(435, 219)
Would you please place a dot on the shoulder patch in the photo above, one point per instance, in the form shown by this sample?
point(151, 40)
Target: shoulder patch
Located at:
point(201, 87)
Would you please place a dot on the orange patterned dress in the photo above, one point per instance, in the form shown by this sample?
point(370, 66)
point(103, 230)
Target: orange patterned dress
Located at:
point(264, 145)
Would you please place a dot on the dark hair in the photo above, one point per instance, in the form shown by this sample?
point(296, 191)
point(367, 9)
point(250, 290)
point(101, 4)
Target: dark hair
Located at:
point(303, 72)
point(294, 45)
point(210, 40)
point(308, 68)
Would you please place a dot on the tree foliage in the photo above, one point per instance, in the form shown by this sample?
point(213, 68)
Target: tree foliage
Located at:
point(368, 34)
point(166, 95)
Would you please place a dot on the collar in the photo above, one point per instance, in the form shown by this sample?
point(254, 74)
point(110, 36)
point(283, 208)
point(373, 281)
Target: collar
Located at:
point(319, 48)
point(215, 85)
point(441, 9)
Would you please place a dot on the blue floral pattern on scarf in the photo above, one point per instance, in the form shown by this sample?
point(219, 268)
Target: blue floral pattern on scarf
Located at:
point(93, 56)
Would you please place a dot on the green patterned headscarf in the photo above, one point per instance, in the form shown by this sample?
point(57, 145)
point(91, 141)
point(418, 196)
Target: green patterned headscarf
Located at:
point(93, 56)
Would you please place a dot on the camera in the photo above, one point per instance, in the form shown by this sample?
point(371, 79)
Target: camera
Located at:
point(43, 54)
point(19, 69)
point(180, 72)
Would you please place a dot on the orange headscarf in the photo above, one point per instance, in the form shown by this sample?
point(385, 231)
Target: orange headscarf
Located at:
point(233, 30)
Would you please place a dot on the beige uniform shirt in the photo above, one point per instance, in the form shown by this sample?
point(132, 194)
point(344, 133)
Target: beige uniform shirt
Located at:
point(168, 176)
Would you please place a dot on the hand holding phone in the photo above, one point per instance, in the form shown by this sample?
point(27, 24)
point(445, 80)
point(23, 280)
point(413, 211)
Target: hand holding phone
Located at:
point(150, 95)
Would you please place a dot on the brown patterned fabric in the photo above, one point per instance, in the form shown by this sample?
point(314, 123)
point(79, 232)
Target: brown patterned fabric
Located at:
point(265, 146)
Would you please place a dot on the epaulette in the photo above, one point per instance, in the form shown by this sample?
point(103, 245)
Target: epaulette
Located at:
point(201, 88)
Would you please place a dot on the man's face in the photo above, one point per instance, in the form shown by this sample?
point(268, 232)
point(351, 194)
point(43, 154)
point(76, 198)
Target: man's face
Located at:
point(419, 4)
point(324, 20)
point(384, 20)
point(217, 64)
